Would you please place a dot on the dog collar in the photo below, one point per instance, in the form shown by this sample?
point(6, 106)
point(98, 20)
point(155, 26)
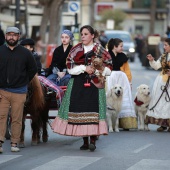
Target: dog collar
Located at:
point(138, 102)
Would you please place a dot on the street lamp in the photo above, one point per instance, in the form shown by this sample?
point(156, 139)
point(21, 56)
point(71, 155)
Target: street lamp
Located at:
point(168, 12)
point(17, 13)
point(26, 18)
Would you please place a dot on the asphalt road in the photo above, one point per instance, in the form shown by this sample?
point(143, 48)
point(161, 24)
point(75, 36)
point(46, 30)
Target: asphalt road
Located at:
point(126, 150)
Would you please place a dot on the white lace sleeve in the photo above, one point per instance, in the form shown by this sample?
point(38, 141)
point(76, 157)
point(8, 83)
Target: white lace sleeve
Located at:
point(106, 71)
point(155, 64)
point(77, 70)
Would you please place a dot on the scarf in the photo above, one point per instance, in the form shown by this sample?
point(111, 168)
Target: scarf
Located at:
point(137, 102)
point(77, 56)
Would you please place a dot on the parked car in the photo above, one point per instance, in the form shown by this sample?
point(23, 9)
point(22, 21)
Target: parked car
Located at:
point(128, 43)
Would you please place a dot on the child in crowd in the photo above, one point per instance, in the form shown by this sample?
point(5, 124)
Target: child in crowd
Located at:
point(29, 44)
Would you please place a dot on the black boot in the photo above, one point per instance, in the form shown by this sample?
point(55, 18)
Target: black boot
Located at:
point(85, 146)
point(92, 145)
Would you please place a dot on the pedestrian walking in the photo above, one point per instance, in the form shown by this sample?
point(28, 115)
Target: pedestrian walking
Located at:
point(17, 68)
point(103, 39)
point(83, 109)
point(121, 74)
point(40, 47)
point(57, 71)
point(159, 107)
point(140, 45)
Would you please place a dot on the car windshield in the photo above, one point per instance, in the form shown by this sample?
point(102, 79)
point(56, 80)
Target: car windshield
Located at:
point(122, 36)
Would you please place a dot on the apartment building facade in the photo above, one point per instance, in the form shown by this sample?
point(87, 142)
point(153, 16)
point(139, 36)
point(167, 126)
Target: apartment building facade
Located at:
point(140, 14)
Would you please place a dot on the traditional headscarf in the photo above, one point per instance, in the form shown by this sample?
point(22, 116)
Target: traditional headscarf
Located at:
point(69, 33)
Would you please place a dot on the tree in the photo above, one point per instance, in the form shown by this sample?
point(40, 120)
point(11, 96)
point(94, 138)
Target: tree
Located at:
point(117, 15)
point(51, 16)
point(152, 14)
point(92, 20)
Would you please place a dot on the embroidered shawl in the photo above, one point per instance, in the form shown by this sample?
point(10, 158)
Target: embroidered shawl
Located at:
point(77, 57)
point(165, 64)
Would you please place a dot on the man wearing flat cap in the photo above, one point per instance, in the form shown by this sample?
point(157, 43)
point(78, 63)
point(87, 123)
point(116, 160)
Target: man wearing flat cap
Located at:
point(17, 67)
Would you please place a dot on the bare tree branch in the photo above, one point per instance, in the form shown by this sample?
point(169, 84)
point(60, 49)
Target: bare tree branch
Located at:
point(55, 18)
point(51, 16)
point(44, 22)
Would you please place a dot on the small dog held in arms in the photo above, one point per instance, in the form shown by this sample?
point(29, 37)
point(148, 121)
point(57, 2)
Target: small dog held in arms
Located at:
point(114, 104)
point(97, 63)
point(142, 100)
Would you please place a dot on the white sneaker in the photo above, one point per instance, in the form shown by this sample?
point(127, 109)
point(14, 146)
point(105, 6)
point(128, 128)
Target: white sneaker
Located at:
point(14, 149)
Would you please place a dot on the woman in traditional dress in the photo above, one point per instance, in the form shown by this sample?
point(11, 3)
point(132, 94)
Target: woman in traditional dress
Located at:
point(83, 109)
point(121, 74)
point(159, 108)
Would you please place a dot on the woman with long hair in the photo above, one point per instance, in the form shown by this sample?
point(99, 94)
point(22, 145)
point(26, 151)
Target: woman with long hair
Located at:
point(121, 75)
point(159, 108)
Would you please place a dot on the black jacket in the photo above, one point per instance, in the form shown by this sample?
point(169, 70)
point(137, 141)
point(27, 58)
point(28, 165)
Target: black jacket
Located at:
point(38, 62)
point(118, 60)
point(2, 37)
point(17, 66)
point(59, 59)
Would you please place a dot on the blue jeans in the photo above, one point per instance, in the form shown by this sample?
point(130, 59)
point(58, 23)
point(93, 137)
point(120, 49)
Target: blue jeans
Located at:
point(62, 82)
point(53, 78)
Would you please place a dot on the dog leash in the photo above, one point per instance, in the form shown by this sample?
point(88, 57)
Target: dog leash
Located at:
point(164, 89)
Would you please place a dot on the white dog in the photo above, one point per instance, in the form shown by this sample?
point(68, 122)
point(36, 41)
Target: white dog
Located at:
point(114, 104)
point(142, 100)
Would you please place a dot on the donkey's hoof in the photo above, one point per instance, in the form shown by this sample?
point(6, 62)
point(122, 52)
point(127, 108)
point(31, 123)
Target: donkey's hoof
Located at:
point(45, 139)
point(21, 145)
point(33, 143)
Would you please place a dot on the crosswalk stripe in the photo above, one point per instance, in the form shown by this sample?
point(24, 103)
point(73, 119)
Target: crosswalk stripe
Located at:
point(68, 162)
point(5, 158)
point(148, 164)
point(142, 148)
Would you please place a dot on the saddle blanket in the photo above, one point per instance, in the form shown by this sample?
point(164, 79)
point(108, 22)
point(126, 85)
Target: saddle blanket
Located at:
point(50, 85)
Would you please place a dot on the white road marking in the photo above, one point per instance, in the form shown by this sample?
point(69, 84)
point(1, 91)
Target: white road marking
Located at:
point(151, 164)
point(68, 162)
point(142, 148)
point(5, 158)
